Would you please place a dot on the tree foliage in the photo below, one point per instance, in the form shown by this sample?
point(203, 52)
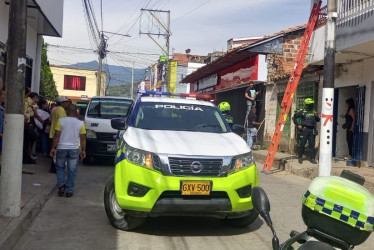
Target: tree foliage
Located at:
point(122, 90)
point(47, 84)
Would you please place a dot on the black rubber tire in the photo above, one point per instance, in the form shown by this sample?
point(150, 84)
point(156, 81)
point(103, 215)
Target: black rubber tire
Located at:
point(243, 221)
point(117, 217)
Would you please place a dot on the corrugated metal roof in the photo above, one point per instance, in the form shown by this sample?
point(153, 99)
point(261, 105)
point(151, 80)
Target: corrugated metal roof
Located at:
point(235, 56)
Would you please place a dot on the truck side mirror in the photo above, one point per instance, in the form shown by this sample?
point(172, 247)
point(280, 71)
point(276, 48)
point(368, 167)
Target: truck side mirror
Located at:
point(238, 129)
point(118, 123)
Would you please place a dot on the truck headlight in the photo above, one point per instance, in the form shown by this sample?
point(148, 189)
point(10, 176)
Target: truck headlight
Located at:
point(241, 162)
point(90, 134)
point(142, 158)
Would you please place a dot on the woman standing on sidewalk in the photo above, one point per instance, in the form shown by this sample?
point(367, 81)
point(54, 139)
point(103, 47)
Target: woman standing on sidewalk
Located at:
point(349, 124)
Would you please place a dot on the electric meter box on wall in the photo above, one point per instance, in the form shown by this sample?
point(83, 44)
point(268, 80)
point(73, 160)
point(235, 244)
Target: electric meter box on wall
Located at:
point(101, 137)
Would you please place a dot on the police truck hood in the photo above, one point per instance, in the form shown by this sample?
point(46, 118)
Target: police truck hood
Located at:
point(186, 142)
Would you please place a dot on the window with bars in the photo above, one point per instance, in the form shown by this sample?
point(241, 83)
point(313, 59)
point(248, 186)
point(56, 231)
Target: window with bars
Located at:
point(75, 82)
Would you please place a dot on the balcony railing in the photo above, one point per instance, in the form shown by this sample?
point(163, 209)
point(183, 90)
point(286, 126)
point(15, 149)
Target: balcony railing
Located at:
point(351, 9)
point(322, 17)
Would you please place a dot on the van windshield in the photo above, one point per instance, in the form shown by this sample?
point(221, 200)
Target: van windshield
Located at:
point(108, 108)
point(179, 117)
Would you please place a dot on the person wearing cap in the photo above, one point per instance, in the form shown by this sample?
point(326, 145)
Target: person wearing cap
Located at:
point(306, 120)
point(59, 112)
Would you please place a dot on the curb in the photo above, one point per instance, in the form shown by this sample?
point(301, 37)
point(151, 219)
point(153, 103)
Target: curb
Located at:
point(19, 225)
point(284, 161)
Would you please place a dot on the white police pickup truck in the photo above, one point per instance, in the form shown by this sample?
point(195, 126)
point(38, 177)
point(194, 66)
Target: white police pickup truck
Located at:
point(179, 157)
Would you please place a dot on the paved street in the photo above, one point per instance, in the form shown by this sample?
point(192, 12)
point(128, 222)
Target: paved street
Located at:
point(80, 222)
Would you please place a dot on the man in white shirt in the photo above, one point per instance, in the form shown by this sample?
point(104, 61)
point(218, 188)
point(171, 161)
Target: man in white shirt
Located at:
point(70, 132)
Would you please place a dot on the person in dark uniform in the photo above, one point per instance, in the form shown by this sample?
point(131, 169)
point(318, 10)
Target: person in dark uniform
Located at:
point(297, 123)
point(309, 119)
point(225, 109)
point(349, 124)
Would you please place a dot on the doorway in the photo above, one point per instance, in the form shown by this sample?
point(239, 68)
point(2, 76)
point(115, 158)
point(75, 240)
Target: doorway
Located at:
point(371, 129)
point(340, 146)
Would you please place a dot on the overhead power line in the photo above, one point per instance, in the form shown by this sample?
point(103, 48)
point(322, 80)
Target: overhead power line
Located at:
point(189, 12)
point(87, 49)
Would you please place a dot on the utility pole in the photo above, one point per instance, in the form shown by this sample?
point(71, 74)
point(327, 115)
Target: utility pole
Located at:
point(132, 80)
point(166, 34)
point(102, 54)
point(325, 149)
point(11, 171)
point(99, 71)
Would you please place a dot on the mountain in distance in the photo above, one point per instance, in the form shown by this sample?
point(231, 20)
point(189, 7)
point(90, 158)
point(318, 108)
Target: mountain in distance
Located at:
point(120, 75)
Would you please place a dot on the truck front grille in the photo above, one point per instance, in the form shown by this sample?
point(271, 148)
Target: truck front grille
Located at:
point(106, 136)
point(195, 167)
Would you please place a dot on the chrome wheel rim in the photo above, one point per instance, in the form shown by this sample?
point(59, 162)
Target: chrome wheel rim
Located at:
point(116, 209)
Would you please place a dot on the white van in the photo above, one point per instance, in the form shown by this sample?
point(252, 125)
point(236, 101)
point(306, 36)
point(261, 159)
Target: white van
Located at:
point(101, 137)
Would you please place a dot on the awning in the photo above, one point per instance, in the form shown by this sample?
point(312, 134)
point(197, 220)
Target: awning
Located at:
point(37, 19)
point(221, 63)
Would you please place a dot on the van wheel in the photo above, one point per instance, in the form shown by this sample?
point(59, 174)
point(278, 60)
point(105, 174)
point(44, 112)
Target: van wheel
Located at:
point(117, 217)
point(243, 221)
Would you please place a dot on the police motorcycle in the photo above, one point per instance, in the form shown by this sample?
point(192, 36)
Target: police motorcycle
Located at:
point(338, 212)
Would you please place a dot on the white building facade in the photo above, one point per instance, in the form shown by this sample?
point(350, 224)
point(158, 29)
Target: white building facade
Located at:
point(44, 18)
point(354, 75)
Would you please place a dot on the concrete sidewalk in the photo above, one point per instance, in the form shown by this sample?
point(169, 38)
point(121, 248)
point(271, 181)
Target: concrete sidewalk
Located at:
point(310, 171)
point(37, 186)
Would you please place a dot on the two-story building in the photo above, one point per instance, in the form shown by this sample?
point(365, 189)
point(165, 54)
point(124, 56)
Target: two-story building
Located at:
point(268, 61)
point(354, 75)
point(44, 18)
point(79, 85)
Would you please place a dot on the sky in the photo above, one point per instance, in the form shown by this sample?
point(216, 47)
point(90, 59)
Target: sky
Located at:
point(203, 26)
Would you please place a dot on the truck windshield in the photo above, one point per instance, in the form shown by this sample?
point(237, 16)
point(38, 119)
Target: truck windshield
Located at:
point(108, 108)
point(179, 117)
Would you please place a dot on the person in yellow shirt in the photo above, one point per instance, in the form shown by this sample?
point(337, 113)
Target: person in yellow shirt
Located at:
point(70, 132)
point(57, 113)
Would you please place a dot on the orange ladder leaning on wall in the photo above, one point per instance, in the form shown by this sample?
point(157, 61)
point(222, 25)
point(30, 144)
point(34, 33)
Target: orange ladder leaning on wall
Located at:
point(291, 87)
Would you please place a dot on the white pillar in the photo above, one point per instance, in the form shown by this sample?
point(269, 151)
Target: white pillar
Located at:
point(35, 87)
point(11, 170)
point(325, 146)
point(325, 149)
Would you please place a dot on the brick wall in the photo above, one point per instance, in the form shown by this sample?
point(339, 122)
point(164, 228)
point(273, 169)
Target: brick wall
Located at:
point(281, 65)
point(271, 117)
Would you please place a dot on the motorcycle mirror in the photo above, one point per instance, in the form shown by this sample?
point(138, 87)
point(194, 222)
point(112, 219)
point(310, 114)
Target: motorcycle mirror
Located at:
point(261, 203)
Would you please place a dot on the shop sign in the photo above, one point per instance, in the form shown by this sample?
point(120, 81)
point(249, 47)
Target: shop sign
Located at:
point(240, 73)
point(208, 81)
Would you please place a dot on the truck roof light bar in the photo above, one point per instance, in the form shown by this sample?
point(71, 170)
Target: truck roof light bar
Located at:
point(205, 97)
